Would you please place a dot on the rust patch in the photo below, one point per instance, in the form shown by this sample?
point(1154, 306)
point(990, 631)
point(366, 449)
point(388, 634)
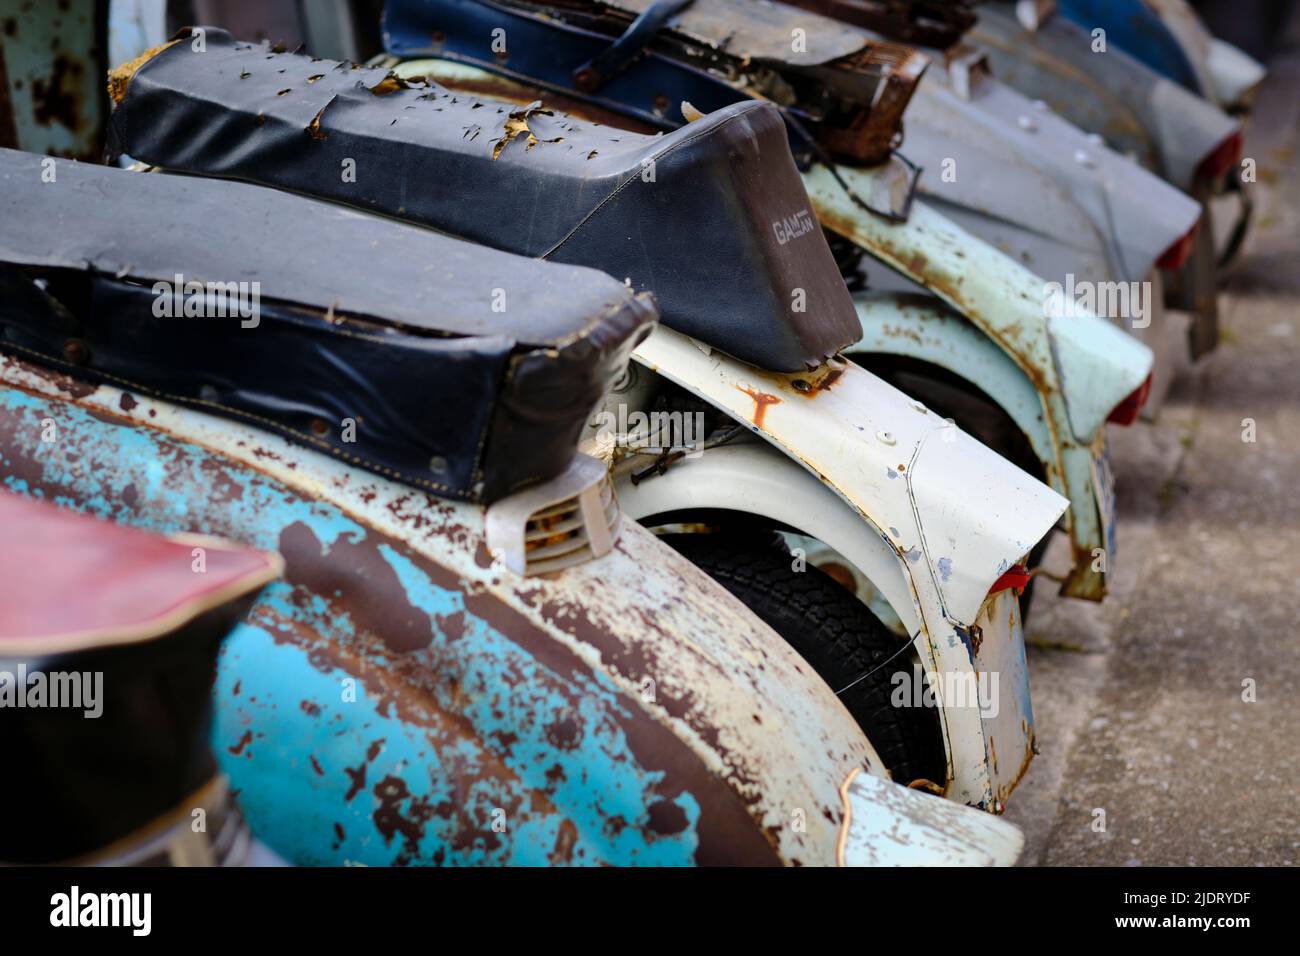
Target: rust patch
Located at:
point(57, 99)
point(371, 593)
point(761, 402)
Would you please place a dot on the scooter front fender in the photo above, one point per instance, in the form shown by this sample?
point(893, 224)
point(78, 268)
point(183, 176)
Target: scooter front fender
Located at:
point(1001, 297)
point(1036, 186)
point(923, 328)
point(953, 514)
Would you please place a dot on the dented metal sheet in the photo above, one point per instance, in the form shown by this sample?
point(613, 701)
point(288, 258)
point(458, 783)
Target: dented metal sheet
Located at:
point(894, 468)
point(400, 698)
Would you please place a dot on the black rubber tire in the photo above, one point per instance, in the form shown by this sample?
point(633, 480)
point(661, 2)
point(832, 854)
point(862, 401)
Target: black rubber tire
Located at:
point(836, 634)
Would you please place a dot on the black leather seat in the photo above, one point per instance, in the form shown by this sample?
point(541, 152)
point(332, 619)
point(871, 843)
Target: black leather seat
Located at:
point(462, 370)
point(712, 218)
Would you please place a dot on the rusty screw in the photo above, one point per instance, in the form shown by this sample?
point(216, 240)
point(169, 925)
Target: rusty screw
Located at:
point(76, 351)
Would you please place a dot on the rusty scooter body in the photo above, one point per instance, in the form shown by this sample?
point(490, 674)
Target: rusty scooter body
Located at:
point(1056, 378)
point(794, 440)
point(470, 657)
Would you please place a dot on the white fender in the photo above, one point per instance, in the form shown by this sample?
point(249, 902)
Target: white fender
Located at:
point(888, 825)
point(945, 504)
point(954, 514)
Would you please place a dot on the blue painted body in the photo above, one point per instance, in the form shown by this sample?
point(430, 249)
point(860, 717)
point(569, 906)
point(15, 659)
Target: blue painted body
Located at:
point(340, 747)
point(1137, 29)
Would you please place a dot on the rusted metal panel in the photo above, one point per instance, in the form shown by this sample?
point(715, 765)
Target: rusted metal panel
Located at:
point(53, 58)
point(622, 711)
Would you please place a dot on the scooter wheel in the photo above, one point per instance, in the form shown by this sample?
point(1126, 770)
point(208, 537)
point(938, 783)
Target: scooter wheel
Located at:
point(836, 634)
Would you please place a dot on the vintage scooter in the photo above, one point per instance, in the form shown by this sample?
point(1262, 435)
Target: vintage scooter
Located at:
point(1177, 134)
point(1004, 359)
point(787, 437)
point(1056, 199)
point(108, 644)
point(470, 657)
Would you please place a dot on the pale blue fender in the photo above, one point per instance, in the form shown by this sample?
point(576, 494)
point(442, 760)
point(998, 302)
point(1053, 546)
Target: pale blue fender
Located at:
point(1081, 366)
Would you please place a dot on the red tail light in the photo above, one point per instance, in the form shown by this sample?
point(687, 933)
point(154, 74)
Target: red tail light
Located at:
point(1126, 412)
point(1180, 251)
point(1226, 155)
point(1016, 578)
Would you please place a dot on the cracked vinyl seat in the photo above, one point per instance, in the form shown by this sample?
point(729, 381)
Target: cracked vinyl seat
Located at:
point(712, 218)
point(448, 366)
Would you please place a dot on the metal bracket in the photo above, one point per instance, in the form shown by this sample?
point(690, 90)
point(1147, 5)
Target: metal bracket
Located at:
point(593, 74)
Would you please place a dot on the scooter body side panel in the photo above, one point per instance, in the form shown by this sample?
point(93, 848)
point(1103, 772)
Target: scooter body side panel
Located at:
point(1137, 27)
point(1135, 109)
point(400, 697)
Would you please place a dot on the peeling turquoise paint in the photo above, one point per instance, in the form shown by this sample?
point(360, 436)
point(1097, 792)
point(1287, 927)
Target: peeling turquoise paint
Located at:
point(342, 750)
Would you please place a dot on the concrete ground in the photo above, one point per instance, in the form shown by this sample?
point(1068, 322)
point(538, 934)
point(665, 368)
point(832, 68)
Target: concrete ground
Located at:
point(1143, 703)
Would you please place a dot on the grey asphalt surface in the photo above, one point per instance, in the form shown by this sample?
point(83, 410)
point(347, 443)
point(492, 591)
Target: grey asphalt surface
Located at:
point(1139, 701)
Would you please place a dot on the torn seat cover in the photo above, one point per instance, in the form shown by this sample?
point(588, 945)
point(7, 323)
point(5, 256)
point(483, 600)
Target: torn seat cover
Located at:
point(458, 369)
point(712, 218)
